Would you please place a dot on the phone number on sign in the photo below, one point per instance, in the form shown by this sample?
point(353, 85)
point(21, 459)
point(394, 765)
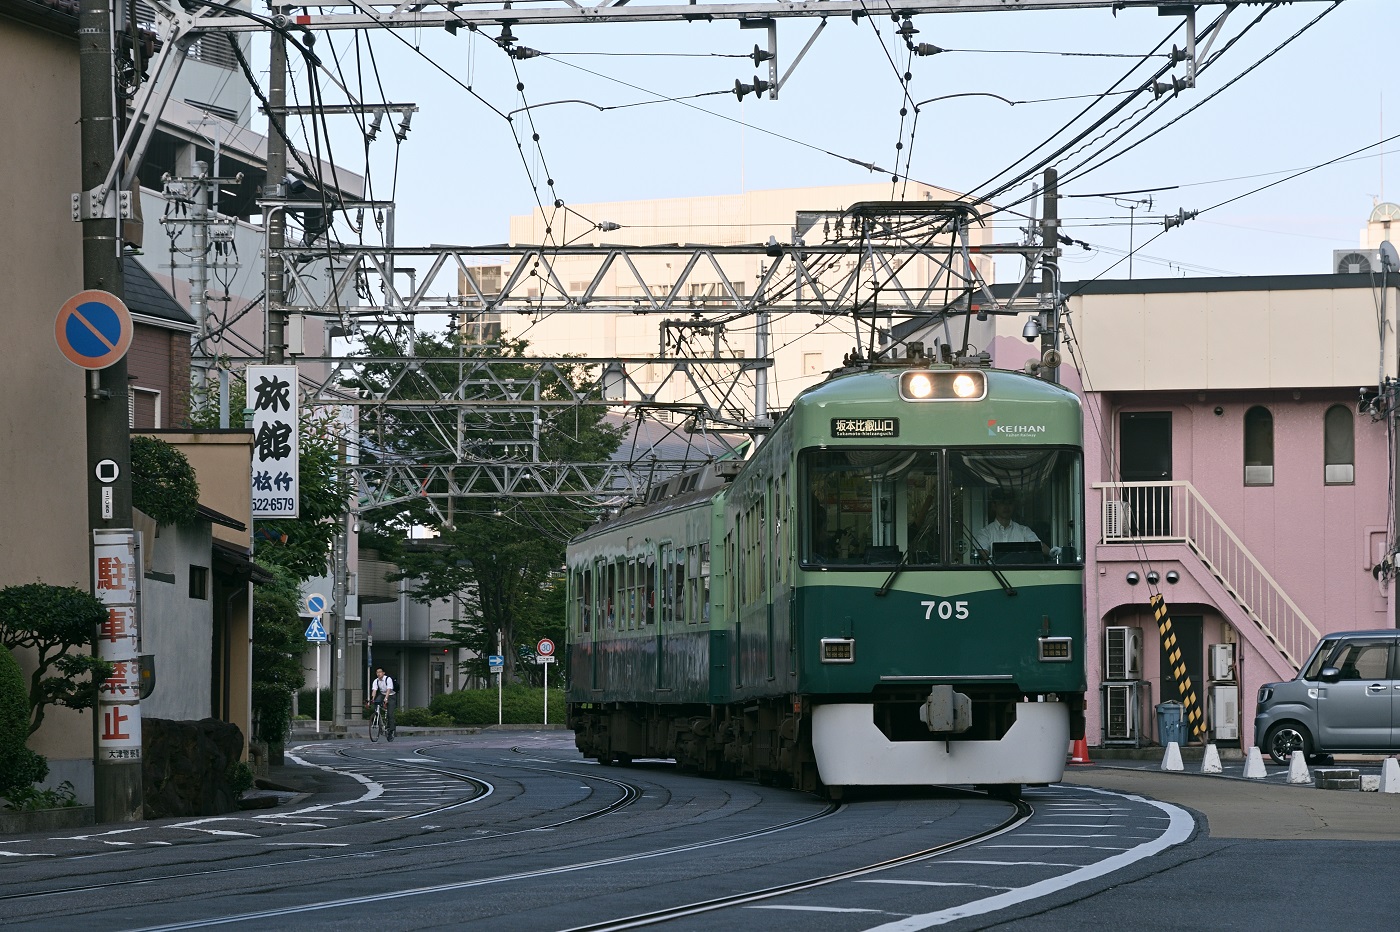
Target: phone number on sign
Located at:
point(274, 505)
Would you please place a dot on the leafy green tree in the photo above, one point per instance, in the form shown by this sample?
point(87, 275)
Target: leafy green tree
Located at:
point(163, 483)
point(57, 623)
point(19, 766)
point(498, 556)
point(277, 649)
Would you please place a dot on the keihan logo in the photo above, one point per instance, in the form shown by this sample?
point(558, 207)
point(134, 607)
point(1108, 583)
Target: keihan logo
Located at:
point(994, 429)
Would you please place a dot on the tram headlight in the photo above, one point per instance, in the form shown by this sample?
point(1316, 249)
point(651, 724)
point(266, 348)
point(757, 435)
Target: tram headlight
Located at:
point(943, 385)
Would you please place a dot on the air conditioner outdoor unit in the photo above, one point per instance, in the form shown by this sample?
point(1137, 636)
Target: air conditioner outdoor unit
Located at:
point(1222, 662)
point(1122, 650)
point(1224, 712)
point(1115, 519)
point(1353, 261)
point(1121, 712)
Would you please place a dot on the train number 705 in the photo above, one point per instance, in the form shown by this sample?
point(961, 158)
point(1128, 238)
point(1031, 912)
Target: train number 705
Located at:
point(946, 610)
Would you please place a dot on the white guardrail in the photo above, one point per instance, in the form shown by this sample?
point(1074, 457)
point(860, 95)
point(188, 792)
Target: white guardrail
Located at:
point(1174, 512)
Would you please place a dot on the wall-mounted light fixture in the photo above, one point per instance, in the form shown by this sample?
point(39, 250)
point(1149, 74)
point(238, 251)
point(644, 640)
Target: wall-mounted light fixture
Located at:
point(1219, 411)
point(1152, 577)
point(1172, 576)
point(1132, 578)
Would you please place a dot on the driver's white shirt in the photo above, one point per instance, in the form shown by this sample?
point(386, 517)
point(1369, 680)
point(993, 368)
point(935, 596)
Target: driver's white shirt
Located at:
point(997, 533)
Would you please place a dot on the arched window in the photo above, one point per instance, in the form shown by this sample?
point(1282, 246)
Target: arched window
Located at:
point(1258, 446)
point(1339, 446)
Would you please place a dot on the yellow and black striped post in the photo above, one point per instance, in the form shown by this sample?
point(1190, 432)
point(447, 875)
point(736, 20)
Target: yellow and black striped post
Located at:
point(1190, 705)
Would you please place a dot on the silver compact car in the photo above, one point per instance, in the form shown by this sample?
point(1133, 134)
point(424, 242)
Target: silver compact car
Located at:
point(1340, 702)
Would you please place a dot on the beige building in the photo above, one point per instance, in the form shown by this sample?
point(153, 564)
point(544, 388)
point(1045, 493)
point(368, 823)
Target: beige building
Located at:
point(43, 453)
point(804, 346)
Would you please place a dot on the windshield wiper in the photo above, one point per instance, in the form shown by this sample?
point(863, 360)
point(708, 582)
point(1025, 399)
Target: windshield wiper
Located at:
point(884, 589)
point(1005, 585)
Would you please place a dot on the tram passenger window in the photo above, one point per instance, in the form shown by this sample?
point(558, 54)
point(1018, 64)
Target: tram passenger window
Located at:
point(585, 601)
point(648, 605)
point(705, 584)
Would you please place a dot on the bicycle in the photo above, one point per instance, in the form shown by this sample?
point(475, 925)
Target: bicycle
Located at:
point(381, 722)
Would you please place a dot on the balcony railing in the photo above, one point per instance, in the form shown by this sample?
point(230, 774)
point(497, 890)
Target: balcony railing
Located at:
point(1174, 512)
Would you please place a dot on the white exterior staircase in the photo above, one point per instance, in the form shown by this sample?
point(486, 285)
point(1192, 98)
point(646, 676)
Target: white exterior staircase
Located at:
point(1175, 513)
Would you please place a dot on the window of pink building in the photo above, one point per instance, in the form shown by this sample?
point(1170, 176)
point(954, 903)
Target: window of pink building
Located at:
point(1258, 446)
point(1339, 446)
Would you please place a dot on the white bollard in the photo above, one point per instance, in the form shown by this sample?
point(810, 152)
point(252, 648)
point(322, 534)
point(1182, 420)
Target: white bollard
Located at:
point(1211, 762)
point(1390, 776)
point(1298, 769)
point(1254, 765)
point(1172, 759)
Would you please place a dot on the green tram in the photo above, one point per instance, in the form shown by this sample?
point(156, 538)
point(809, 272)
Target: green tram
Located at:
point(888, 591)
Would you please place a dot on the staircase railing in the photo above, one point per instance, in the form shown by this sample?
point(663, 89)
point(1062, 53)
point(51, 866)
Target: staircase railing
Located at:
point(1174, 512)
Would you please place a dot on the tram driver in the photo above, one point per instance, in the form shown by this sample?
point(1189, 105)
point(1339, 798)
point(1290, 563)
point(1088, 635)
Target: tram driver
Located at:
point(1003, 529)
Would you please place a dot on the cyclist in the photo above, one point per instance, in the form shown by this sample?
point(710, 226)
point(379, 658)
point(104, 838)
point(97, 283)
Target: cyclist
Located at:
point(382, 691)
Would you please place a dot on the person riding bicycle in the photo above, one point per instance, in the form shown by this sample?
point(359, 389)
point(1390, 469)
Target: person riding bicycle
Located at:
point(381, 691)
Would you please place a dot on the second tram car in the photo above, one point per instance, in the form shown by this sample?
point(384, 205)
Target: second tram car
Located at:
point(888, 591)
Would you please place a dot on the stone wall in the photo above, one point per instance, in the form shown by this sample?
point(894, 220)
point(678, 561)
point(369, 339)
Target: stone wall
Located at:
point(186, 767)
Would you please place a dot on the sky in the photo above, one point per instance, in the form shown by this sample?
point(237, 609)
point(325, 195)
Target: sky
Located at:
point(464, 169)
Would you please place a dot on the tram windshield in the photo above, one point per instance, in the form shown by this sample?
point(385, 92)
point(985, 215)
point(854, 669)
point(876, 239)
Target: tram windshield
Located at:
point(928, 507)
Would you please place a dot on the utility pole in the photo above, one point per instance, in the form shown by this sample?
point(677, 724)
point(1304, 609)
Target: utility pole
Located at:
point(1050, 276)
point(275, 214)
point(117, 795)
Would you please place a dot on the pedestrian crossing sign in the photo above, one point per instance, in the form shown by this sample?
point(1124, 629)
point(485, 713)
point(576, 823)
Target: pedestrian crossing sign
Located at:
point(316, 631)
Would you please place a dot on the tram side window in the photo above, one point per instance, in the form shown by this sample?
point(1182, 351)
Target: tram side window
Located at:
point(610, 593)
point(705, 583)
point(584, 596)
point(1021, 506)
point(648, 587)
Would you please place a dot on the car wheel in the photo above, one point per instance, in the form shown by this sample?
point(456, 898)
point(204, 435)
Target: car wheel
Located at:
point(1284, 739)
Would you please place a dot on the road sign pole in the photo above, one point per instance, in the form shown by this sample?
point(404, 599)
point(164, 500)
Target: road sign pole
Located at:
point(500, 674)
point(546, 694)
point(318, 686)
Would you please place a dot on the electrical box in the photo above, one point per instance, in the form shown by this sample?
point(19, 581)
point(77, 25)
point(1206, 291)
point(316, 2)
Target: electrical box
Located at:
point(1222, 663)
point(1122, 648)
point(1224, 711)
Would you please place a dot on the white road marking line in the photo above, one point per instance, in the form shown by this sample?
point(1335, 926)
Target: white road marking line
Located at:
point(1070, 847)
point(1177, 831)
point(938, 883)
point(819, 909)
point(308, 844)
point(221, 831)
point(22, 854)
point(115, 831)
point(1015, 863)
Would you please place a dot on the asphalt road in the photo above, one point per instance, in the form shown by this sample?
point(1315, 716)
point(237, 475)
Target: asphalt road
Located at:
point(517, 832)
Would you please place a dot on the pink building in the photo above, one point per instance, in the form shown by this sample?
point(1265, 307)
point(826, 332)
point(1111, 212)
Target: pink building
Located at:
point(1238, 467)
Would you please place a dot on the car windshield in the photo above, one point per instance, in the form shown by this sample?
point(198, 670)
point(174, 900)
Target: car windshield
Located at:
point(929, 507)
point(1319, 659)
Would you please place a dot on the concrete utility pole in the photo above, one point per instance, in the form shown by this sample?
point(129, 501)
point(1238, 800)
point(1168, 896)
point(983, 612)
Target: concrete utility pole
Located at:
point(1050, 274)
point(117, 795)
point(275, 215)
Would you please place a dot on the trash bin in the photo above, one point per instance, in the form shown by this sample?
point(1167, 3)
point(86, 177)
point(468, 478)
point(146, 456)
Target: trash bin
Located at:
point(1171, 726)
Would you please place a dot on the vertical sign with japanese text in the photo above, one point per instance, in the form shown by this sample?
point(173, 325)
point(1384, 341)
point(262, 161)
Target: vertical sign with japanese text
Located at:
point(116, 570)
point(272, 394)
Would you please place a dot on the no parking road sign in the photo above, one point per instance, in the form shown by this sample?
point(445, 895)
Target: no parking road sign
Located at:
point(93, 329)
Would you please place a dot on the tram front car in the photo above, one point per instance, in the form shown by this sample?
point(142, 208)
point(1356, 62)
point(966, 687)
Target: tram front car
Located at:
point(939, 583)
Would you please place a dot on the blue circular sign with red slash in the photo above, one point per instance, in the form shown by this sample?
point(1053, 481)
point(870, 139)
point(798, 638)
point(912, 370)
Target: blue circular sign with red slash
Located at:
point(94, 329)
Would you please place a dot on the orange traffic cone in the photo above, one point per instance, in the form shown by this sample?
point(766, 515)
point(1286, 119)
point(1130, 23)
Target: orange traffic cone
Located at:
point(1079, 751)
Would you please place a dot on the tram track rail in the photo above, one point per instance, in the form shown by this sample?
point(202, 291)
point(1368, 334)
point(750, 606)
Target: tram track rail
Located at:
point(628, 794)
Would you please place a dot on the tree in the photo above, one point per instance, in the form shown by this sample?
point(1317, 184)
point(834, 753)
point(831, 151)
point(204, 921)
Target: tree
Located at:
point(277, 649)
point(163, 483)
point(500, 557)
point(19, 766)
point(56, 623)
